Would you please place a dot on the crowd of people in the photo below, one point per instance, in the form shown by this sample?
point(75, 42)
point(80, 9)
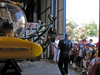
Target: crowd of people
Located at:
point(81, 53)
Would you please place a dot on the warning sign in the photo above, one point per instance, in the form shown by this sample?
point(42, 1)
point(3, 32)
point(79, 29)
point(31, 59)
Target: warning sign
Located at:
point(30, 25)
point(30, 28)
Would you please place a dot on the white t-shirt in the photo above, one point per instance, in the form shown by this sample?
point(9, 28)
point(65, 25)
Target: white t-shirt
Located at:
point(56, 44)
point(80, 52)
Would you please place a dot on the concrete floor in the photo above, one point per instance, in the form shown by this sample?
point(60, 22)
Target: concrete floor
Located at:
point(44, 67)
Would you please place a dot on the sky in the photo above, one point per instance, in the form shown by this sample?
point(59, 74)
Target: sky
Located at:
point(83, 10)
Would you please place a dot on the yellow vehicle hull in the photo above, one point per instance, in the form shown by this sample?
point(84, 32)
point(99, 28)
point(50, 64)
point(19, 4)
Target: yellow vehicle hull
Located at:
point(15, 48)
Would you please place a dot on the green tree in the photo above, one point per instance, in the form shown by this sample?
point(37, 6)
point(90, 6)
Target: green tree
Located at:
point(71, 23)
point(70, 26)
point(82, 31)
point(91, 28)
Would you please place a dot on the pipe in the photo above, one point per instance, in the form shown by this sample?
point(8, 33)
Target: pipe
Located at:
point(64, 19)
point(99, 30)
point(52, 10)
point(57, 16)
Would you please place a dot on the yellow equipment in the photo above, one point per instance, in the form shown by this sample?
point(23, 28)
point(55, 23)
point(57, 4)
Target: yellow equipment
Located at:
point(12, 27)
point(15, 48)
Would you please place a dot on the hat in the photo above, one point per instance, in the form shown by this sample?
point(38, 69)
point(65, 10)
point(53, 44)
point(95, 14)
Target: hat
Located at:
point(88, 44)
point(93, 45)
point(84, 44)
point(97, 43)
point(84, 40)
point(78, 39)
point(75, 43)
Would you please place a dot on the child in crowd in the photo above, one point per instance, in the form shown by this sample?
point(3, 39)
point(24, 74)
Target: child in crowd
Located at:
point(79, 58)
point(91, 41)
point(96, 51)
point(93, 50)
point(88, 56)
point(76, 51)
point(71, 56)
point(84, 51)
point(83, 54)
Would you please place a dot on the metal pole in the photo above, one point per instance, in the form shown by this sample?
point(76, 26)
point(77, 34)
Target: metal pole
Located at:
point(64, 18)
point(52, 9)
point(99, 29)
point(57, 16)
point(52, 13)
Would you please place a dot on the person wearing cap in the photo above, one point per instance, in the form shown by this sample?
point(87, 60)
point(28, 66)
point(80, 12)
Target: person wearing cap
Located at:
point(83, 55)
point(84, 51)
point(96, 51)
point(64, 46)
point(83, 43)
point(93, 46)
point(79, 58)
point(88, 56)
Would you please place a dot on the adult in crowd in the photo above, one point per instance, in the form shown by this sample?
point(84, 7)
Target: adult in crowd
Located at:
point(56, 50)
point(65, 46)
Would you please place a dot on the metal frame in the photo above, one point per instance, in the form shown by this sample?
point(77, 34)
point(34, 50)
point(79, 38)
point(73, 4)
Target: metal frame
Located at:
point(11, 64)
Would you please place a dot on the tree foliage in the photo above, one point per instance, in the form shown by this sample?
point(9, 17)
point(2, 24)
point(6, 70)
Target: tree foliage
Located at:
point(91, 28)
point(82, 31)
point(70, 26)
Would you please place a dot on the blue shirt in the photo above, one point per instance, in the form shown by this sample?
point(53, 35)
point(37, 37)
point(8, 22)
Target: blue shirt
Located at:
point(84, 52)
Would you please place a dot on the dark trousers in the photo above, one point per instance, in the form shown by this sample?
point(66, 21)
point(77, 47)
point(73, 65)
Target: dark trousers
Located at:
point(63, 62)
point(79, 61)
point(71, 58)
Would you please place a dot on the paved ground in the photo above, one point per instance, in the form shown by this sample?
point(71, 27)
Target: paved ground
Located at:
point(43, 67)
